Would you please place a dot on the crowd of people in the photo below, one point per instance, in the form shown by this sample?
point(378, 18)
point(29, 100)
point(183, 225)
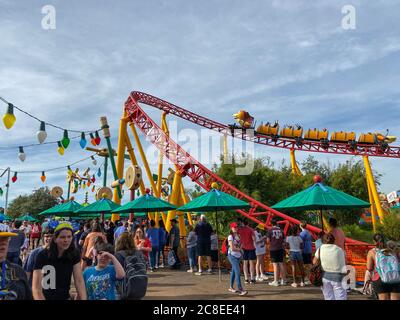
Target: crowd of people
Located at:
point(110, 261)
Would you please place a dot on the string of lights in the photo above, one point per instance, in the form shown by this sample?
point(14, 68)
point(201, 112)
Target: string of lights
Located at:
point(62, 144)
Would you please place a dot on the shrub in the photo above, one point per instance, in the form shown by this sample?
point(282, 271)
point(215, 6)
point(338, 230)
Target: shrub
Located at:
point(390, 227)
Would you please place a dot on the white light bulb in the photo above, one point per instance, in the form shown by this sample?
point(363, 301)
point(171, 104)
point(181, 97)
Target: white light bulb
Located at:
point(22, 156)
point(41, 135)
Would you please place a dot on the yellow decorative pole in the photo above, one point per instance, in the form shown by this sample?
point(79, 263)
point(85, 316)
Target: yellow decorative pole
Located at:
point(371, 182)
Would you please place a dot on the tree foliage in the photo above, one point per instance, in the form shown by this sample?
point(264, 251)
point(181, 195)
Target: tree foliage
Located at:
point(34, 203)
point(270, 184)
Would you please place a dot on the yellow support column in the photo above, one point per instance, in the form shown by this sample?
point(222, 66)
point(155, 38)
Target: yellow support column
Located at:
point(174, 198)
point(184, 201)
point(143, 156)
point(295, 169)
point(372, 208)
point(225, 147)
point(120, 159)
point(371, 182)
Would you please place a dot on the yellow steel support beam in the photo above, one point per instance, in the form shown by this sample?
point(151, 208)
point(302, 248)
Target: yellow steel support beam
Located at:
point(120, 159)
point(225, 147)
point(184, 201)
point(295, 169)
point(174, 199)
point(370, 180)
point(372, 208)
point(143, 156)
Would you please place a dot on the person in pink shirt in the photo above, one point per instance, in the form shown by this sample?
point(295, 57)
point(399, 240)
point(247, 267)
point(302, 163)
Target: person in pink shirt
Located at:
point(340, 238)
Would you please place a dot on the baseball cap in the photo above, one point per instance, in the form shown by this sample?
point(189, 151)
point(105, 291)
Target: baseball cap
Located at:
point(233, 225)
point(64, 225)
point(5, 231)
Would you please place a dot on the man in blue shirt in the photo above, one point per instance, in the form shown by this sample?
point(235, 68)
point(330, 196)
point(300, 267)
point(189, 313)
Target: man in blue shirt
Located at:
point(307, 250)
point(153, 235)
point(120, 230)
point(174, 239)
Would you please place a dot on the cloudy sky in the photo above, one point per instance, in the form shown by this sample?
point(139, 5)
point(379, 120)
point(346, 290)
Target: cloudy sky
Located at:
point(285, 60)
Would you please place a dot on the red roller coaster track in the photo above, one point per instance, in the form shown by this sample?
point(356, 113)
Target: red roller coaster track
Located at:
point(306, 145)
point(188, 166)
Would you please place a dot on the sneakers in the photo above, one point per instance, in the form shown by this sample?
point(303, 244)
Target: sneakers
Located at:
point(259, 279)
point(307, 282)
point(294, 285)
point(199, 273)
point(274, 283)
point(252, 281)
point(283, 282)
point(161, 266)
point(151, 270)
point(242, 293)
point(264, 277)
point(233, 290)
point(302, 284)
point(209, 271)
point(190, 270)
point(246, 280)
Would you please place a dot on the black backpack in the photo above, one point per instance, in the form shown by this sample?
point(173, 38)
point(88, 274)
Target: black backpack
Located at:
point(134, 285)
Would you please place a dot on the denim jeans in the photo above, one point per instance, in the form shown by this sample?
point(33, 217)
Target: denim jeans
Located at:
point(192, 256)
point(235, 272)
point(160, 253)
point(153, 255)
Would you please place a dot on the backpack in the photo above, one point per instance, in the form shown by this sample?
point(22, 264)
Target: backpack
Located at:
point(224, 247)
point(134, 285)
point(387, 266)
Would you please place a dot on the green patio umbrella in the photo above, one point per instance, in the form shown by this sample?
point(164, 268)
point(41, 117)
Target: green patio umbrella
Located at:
point(27, 217)
point(63, 209)
point(4, 217)
point(102, 206)
point(320, 197)
point(214, 200)
point(146, 203)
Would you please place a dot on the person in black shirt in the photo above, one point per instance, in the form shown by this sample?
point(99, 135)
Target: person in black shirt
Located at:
point(13, 281)
point(55, 266)
point(203, 231)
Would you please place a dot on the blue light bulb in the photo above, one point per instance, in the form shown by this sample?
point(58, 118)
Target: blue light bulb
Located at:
point(99, 172)
point(83, 141)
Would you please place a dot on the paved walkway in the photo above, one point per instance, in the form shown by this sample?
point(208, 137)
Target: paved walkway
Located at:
point(165, 284)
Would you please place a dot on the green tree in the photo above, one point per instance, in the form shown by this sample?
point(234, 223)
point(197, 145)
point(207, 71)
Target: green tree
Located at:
point(33, 204)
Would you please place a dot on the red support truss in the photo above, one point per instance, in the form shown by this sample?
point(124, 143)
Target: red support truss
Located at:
point(188, 166)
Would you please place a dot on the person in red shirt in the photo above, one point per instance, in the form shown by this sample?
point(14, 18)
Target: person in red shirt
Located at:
point(339, 235)
point(142, 243)
point(248, 238)
point(35, 235)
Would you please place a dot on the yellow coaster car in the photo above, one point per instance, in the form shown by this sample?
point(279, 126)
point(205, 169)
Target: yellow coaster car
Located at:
point(316, 135)
point(342, 136)
point(291, 132)
point(268, 129)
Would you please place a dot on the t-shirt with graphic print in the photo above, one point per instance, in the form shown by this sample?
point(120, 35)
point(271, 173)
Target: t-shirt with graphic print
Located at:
point(100, 284)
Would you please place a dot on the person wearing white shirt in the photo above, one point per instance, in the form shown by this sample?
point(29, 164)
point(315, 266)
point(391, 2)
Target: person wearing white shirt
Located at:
point(333, 264)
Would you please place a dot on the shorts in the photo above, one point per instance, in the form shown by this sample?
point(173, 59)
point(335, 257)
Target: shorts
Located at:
point(277, 256)
point(204, 249)
point(295, 256)
point(214, 255)
point(307, 258)
point(381, 287)
point(249, 254)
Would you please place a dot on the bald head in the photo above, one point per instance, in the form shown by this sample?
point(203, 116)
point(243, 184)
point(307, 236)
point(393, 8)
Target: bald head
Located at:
point(203, 217)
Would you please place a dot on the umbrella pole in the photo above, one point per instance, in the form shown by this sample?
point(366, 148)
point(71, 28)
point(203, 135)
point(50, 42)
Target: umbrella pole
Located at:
point(322, 220)
point(219, 262)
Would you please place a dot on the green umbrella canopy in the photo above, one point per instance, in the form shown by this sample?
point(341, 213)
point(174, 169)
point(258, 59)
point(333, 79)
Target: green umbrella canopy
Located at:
point(145, 203)
point(320, 197)
point(103, 205)
point(108, 216)
point(63, 209)
point(3, 217)
point(396, 206)
point(27, 217)
point(214, 200)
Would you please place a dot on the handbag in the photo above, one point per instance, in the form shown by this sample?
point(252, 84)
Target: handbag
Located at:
point(316, 272)
point(171, 258)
